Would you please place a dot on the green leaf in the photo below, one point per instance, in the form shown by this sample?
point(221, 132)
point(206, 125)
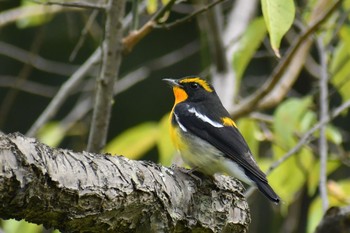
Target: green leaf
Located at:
point(279, 16)
point(288, 117)
point(340, 55)
point(134, 142)
point(314, 175)
point(315, 215)
point(291, 118)
point(342, 50)
point(340, 64)
point(290, 176)
point(14, 226)
point(341, 81)
point(346, 5)
point(39, 14)
point(152, 6)
point(248, 44)
point(345, 35)
point(333, 135)
point(249, 128)
point(51, 134)
point(307, 121)
point(165, 146)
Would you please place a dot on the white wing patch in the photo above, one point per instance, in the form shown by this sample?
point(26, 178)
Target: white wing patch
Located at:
point(183, 128)
point(205, 118)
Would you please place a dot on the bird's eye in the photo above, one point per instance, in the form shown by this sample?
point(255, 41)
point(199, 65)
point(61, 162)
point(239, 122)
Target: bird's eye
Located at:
point(194, 85)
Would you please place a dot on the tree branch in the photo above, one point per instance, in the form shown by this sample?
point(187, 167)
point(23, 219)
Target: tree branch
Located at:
point(111, 59)
point(77, 4)
point(188, 17)
point(62, 94)
point(27, 86)
point(22, 12)
point(323, 102)
point(35, 60)
point(67, 88)
point(84, 192)
point(336, 220)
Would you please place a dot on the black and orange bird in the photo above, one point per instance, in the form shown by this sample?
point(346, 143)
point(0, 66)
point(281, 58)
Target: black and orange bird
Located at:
point(208, 139)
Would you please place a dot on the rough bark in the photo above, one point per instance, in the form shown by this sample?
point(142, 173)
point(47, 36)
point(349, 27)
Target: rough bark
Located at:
point(335, 220)
point(86, 192)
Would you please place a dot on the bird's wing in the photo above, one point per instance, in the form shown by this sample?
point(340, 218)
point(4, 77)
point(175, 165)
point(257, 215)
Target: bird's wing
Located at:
point(227, 139)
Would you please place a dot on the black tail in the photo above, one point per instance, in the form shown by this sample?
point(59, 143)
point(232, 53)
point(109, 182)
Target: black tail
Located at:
point(266, 189)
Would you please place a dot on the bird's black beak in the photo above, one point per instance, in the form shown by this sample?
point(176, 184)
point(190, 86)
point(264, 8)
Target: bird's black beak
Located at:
point(172, 82)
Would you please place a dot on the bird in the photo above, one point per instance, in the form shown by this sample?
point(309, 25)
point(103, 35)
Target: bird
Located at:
point(208, 139)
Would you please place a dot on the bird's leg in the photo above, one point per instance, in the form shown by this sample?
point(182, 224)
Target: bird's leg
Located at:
point(191, 172)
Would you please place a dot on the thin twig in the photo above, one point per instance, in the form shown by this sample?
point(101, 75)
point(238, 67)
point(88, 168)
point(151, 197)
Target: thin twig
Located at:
point(135, 36)
point(249, 103)
point(111, 59)
point(28, 86)
point(291, 74)
point(83, 34)
point(158, 15)
point(35, 60)
point(304, 140)
point(188, 17)
point(322, 142)
point(85, 5)
point(64, 91)
point(23, 12)
point(135, 15)
point(68, 87)
point(23, 75)
point(306, 137)
point(261, 117)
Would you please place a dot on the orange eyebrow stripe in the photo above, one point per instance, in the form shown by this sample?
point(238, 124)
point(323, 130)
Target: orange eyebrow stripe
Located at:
point(201, 82)
point(226, 121)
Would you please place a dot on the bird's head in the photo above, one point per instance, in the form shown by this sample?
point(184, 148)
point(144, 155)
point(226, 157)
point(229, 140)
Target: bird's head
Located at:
point(192, 89)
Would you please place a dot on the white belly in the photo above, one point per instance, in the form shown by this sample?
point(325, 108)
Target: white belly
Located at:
point(206, 158)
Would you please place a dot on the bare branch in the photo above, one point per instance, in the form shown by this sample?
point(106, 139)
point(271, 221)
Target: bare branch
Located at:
point(188, 17)
point(35, 60)
point(82, 4)
point(335, 220)
point(64, 91)
point(27, 86)
point(84, 192)
point(135, 36)
point(111, 59)
point(68, 87)
point(11, 16)
point(83, 34)
point(290, 75)
point(323, 102)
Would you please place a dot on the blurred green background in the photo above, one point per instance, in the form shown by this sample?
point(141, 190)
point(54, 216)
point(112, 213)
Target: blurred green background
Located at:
point(36, 58)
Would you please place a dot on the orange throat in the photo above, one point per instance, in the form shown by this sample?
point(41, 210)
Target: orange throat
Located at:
point(180, 95)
